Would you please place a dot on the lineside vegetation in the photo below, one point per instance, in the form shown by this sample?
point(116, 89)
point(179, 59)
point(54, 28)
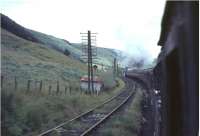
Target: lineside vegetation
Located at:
point(29, 114)
point(129, 122)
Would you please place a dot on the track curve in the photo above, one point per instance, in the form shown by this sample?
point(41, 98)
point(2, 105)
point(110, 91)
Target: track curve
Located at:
point(84, 123)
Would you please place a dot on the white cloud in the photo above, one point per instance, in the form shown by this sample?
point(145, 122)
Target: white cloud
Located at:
point(129, 25)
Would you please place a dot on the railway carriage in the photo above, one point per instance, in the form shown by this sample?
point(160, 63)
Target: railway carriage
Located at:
point(176, 72)
point(175, 75)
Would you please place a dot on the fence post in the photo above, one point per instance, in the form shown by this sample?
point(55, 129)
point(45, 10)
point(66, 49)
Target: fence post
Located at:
point(58, 89)
point(35, 85)
point(16, 83)
point(28, 85)
point(2, 78)
point(49, 89)
point(40, 86)
point(70, 88)
point(65, 90)
point(136, 86)
point(80, 89)
point(75, 88)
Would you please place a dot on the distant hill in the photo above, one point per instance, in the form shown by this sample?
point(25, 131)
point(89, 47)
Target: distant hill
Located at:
point(74, 50)
point(13, 27)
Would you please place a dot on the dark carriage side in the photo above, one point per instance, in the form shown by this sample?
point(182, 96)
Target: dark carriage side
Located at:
point(177, 69)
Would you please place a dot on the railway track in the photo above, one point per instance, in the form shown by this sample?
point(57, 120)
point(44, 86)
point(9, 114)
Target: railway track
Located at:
point(84, 124)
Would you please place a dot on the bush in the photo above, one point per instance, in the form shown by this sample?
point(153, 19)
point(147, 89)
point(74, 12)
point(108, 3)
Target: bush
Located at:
point(14, 131)
point(8, 116)
point(108, 79)
point(67, 52)
point(35, 118)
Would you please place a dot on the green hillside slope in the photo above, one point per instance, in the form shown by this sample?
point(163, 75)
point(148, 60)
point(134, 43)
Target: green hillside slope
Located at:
point(30, 60)
point(57, 43)
point(105, 56)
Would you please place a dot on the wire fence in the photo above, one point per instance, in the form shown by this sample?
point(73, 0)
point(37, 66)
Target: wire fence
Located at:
point(48, 87)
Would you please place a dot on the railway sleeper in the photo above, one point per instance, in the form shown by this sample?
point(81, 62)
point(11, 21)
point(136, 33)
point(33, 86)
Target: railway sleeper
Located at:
point(93, 117)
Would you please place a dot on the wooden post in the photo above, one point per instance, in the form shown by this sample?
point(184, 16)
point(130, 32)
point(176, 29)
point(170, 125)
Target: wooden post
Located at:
point(117, 74)
point(35, 86)
point(76, 87)
point(97, 92)
point(2, 78)
point(58, 88)
point(40, 86)
point(114, 67)
point(89, 61)
point(15, 84)
point(135, 86)
point(50, 89)
point(28, 85)
point(80, 89)
point(65, 90)
point(70, 88)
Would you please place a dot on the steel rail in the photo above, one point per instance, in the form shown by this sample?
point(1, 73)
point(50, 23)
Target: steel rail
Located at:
point(88, 112)
point(107, 116)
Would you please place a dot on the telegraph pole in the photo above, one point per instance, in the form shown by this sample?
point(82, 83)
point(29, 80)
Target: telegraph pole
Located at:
point(117, 69)
point(114, 67)
point(89, 51)
point(89, 61)
point(90, 67)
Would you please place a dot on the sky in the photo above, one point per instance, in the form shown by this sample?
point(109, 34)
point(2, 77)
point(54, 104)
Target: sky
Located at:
point(132, 26)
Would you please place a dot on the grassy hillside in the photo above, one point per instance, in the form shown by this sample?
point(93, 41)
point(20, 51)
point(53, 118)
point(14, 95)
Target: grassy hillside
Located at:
point(29, 108)
point(28, 113)
point(105, 56)
point(31, 113)
point(29, 55)
point(57, 44)
point(30, 60)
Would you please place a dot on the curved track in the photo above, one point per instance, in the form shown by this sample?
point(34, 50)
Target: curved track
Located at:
point(83, 124)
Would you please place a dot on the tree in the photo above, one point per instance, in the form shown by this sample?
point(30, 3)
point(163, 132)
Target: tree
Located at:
point(67, 52)
point(95, 67)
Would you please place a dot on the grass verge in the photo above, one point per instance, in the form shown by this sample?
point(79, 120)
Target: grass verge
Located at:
point(29, 113)
point(128, 123)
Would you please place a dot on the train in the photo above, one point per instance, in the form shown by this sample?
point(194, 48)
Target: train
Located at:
point(177, 70)
point(176, 74)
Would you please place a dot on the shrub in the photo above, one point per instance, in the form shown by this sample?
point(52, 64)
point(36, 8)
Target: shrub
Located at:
point(108, 79)
point(34, 120)
point(14, 130)
point(8, 115)
point(67, 52)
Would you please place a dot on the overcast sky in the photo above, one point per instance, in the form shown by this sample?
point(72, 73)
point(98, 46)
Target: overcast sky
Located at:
point(129, 25)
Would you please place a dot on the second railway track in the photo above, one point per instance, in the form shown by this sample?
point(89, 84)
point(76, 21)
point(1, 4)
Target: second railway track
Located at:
point(83, 124)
